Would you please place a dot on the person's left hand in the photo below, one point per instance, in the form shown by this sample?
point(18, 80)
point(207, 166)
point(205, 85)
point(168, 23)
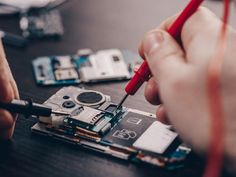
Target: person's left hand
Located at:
point(8, 92)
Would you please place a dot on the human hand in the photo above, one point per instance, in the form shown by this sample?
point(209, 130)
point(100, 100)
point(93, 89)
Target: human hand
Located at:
point(8, 91)
point(180, 77)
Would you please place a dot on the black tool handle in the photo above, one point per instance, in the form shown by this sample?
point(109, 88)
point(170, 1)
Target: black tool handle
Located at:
point(26, 108)
point(13, 39)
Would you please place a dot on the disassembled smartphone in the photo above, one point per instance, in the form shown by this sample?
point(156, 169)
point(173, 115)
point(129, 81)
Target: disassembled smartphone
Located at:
point(95, 123)
point(86, 66)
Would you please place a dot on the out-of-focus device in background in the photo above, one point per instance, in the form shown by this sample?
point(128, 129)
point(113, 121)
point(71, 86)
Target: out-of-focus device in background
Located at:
point(40, 24)
point(86, 67)
point(37, 19)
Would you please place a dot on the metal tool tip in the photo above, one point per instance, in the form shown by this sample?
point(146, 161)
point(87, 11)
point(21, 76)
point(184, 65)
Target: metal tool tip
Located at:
point(122, 101)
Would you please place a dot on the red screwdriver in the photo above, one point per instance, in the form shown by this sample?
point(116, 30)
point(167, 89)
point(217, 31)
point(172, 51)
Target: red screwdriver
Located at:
point(143, 74)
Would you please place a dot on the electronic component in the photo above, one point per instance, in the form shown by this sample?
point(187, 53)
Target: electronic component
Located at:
point(94, 122)
point(86, 66)
point(86, 115)
point(129, 129)
point(163, 137)
point(39, 24)
point(89, 98)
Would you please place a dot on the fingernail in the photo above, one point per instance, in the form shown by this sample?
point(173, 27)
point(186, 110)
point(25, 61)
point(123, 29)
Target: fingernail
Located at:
point(152, 42)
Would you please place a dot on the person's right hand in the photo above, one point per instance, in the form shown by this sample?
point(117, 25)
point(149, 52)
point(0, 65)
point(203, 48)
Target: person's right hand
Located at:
point(8, 92)
point(180, 77)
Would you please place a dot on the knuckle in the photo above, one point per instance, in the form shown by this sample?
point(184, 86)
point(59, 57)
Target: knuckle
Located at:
point(169, 50)
point(151, 33)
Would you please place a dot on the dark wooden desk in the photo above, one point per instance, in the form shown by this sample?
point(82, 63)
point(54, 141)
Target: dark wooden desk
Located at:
point(88, 24)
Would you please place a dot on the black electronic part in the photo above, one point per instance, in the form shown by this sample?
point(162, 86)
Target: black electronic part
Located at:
point(111, 108)
point(115, 58)
point(41, 70)
point(68, 104)
point(66, 97)
point(55, 63)
point(90, 98)
point(129, 129)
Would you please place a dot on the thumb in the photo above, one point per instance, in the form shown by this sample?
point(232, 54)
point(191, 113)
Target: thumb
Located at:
point(164, 55)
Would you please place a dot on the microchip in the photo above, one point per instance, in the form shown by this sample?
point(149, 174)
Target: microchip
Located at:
point(129, 129)
point(111, 108)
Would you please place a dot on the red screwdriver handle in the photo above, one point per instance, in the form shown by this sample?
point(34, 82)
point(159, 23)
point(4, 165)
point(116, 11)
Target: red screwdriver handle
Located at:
point(143, 73)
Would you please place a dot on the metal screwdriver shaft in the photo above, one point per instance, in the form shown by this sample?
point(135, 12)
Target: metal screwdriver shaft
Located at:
point(122, 101)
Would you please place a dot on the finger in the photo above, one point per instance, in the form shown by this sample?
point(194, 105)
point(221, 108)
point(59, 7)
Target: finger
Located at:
point(152, 92)
point(7, 123)
point(6, 94)
point(164, 56)
point(7, 68)
point(162, 116)
point(165, 25)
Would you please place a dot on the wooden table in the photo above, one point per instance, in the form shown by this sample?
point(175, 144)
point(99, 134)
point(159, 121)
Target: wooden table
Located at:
point(95, 24)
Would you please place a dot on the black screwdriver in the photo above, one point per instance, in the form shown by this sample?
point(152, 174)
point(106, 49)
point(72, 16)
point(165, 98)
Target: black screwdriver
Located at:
point(29, 108)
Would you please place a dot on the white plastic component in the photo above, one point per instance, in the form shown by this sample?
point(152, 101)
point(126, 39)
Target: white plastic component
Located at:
point(105, 64)
point(157, 138)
